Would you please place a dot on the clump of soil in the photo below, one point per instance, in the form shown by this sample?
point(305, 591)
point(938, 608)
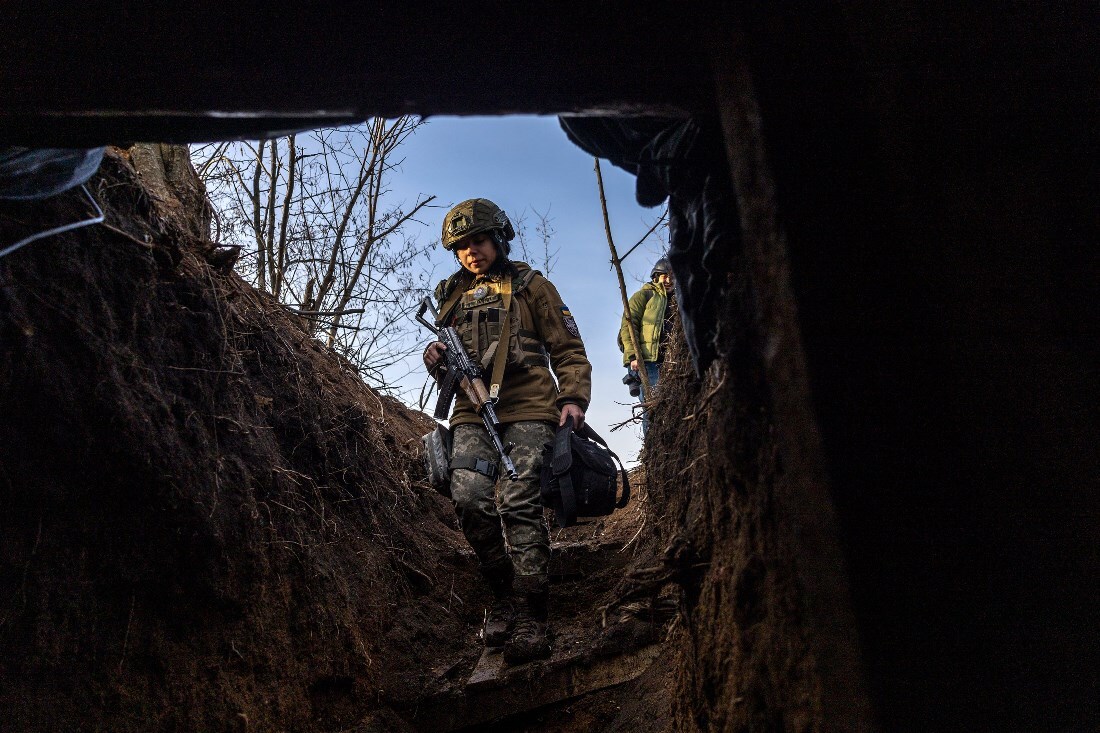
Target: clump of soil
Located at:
point(209, 522)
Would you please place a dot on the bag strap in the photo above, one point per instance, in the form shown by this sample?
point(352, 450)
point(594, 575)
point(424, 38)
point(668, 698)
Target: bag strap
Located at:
point(622, 502)
point(562, 459)
point(568, 500)
point(560, 463)
point(521, 281)
point(591, 434)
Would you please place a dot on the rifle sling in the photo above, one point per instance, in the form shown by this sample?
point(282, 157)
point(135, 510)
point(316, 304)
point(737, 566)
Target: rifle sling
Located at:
point(449, 305)
point(502, 343)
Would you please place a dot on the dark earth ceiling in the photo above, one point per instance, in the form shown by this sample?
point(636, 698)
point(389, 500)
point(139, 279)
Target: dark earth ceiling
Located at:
point(75, 74)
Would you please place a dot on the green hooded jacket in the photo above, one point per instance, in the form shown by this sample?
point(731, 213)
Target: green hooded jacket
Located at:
point(646, 310)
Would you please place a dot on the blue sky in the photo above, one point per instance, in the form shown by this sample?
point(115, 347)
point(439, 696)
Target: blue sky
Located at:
point(527, 163)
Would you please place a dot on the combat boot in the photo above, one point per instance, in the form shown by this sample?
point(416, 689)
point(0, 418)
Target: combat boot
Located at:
point(529, 638)
point(501, 615)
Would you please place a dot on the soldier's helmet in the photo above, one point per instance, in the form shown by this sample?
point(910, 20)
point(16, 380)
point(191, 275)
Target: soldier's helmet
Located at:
point(474, 216)
point(662, 267)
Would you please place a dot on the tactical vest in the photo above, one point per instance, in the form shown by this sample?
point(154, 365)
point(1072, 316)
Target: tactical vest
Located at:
point(479, 314)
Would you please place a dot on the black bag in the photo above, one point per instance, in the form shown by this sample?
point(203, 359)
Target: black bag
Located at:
point(578, 476)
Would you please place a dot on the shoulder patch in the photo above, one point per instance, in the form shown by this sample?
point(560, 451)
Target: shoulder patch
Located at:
point(569, 322)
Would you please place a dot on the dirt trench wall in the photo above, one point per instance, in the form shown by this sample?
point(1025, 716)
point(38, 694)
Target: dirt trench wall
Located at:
point(931, 184)
point(891, 513)
point(738, 481)
point(209, 522)
point(760, 648)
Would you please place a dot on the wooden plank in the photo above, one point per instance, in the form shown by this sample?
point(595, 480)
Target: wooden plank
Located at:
point(496, 690)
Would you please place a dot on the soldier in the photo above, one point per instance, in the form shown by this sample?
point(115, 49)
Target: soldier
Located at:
point(649, 312)
point(504, 309)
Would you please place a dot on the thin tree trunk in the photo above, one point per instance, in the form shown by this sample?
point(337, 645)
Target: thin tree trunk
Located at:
point(274, 173)
point(634, 340)
point(257, 222)
point(280, 267)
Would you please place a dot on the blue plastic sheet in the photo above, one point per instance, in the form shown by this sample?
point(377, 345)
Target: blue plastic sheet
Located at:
point(38, 173)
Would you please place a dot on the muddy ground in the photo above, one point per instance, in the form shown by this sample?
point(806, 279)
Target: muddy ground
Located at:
point(210, 522)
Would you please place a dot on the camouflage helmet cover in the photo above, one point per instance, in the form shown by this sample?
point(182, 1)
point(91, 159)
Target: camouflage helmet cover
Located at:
point(663, 266)
point(474, 216)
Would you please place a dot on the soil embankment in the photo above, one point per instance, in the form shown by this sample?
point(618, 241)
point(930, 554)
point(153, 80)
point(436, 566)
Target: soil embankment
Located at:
point(210, 522)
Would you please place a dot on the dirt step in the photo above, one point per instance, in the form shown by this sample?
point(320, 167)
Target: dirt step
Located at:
point(573, 560)
point(495, 690)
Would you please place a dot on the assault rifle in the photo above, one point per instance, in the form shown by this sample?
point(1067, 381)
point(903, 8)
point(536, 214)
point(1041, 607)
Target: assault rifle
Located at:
point(463, 372)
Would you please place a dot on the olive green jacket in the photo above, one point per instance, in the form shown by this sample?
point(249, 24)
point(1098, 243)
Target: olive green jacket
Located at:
point(528, 391)
point(646, 310)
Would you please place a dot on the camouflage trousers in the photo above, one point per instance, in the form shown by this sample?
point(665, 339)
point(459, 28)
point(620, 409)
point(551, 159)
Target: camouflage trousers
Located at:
point(483, 505)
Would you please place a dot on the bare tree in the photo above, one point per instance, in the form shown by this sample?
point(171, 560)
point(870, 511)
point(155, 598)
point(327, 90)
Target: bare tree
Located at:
point(540, 254)
point(319, 232)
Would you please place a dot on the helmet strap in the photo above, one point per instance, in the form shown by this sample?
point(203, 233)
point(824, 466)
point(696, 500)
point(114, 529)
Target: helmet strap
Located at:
point(503, 248)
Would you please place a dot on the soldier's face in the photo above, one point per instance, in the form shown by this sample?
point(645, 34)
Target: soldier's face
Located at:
point(476, 253)
point(664, 279)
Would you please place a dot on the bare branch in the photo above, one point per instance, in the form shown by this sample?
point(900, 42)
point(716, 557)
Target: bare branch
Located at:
point(313, 215)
